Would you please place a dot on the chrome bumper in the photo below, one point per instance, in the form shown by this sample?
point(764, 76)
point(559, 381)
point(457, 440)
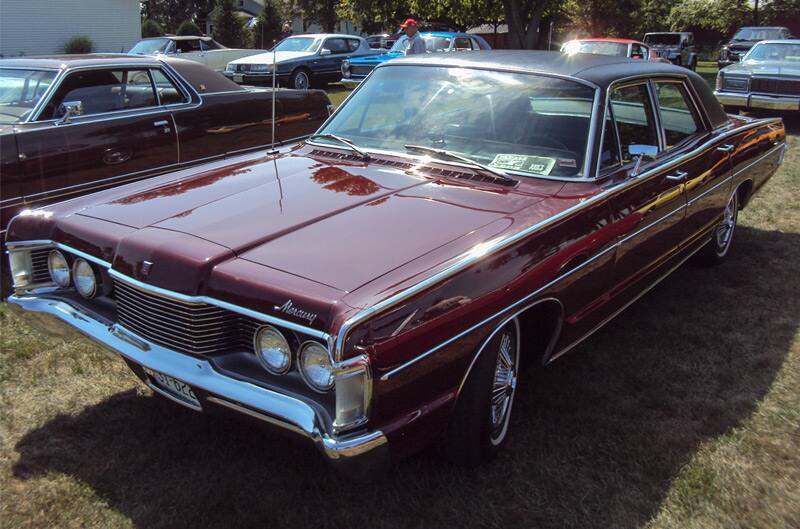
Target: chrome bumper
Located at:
point(350, 83)
point(776, 102)
point(360, 454)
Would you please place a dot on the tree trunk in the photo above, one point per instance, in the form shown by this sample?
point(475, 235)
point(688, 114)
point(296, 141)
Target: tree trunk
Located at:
point(523, 23)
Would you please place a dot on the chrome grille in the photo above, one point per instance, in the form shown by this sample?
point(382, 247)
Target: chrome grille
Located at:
point(360, 70)
point(775, 86)
point(194, 328)
point(41, 274)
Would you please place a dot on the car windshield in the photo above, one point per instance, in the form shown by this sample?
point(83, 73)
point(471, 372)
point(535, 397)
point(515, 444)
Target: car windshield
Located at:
point(518, 123)
point(20, 90)
point(774, 52)
point(596, 47)
point(433, 44)
point(150, 46)
point(757, 34)
point(668, 39)
point(298, 44)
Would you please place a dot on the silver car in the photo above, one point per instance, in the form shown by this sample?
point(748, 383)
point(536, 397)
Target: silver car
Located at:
point(768, 77)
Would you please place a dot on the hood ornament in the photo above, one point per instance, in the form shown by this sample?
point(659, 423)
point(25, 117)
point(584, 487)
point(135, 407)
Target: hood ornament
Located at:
point(144, 270)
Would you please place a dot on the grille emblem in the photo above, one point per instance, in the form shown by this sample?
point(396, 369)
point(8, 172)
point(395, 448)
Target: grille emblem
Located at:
point(144, 271)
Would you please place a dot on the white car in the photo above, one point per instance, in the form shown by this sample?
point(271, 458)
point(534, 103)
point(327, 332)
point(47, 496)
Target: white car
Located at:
point(204, 50)
point(302, 60)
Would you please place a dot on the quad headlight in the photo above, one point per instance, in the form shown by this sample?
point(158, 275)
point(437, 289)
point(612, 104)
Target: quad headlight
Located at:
point(59, 269)
point(315, 366)
point(85, 278)
point(272, 350)
point(260, 68)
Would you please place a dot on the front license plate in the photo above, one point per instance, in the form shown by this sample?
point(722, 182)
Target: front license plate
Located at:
point(238, 78)
point(173, 387)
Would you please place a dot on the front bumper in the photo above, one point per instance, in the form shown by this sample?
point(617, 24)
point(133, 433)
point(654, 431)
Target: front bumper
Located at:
point(359, 454)
point(350, 82)
point(760, 101)
point(260, 79)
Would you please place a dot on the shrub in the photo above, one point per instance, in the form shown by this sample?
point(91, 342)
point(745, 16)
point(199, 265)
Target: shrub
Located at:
point(151, 28)
point(267, 29)
point(189, 29)
point(227, 24)
point(79, 44)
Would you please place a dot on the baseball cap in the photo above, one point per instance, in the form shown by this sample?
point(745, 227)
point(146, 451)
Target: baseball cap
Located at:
point(409, 22)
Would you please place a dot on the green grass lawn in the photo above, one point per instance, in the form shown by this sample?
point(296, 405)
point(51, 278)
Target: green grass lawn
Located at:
point(682, 413)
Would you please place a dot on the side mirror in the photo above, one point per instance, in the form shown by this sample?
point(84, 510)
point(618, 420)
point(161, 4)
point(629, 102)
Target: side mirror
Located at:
point(68, 110)
point(324, 51)
point(642, 153)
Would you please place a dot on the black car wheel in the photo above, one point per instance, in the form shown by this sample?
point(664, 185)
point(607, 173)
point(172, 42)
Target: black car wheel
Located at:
point(479, 425)
point(300, 79)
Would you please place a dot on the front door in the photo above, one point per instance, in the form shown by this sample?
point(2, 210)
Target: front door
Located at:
point(649, 213)
point(122, 133)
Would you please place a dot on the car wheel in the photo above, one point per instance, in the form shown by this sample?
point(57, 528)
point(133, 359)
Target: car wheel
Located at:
point(722, 238)
point(300, 80)
point(479, 425)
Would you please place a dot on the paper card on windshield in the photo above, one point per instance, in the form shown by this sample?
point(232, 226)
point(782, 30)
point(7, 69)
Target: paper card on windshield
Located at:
point(521, 162)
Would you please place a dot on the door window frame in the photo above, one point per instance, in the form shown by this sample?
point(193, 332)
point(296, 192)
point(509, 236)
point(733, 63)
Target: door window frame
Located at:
point(693, 108)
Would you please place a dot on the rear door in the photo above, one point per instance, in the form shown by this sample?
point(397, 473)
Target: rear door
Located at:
point(122, 134)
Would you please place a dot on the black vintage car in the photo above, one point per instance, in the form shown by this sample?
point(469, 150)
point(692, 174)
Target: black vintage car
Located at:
point(677, 47)
point(744, 39)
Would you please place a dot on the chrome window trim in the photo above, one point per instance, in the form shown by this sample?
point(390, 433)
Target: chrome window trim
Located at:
point(469, 258)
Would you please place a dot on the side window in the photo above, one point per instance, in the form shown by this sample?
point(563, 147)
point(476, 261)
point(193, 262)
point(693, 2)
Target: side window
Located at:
point(168, 93)
point(207, 45)
point(609, 155)
point(101, 91)
point(478, 45)
point(186, 46)
point(634, 117)
point(336, 46)
point(353, 44)
point(636, 52)
point(463, 44)
point(677, 116)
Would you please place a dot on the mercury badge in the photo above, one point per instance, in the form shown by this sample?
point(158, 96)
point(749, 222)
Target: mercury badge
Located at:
point(290, 309)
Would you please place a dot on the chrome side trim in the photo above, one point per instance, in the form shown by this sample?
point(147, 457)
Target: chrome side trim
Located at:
point(447, 342)
point(469, 258)
point(566, 349)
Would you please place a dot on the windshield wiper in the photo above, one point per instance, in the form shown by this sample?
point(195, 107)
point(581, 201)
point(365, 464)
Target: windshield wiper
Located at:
point(364, 155)
point(454, 155)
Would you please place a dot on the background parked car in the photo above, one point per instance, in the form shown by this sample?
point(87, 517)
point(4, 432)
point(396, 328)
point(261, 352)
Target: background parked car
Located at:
point(745, 38)
point(70, 125)
point(381, 41)
point(302, 60)
point(355, 70)
point(677, 47)
point(204, 50)
point(633, 49)
point(768, 77)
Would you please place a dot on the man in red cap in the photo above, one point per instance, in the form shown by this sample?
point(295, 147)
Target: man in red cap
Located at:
point(414, 43)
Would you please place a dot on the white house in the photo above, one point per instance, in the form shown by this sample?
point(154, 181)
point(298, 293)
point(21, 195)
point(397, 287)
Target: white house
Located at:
point(42, 27)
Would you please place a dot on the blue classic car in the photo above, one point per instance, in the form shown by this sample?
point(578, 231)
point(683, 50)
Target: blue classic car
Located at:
point(355, 70)
point(301, 60)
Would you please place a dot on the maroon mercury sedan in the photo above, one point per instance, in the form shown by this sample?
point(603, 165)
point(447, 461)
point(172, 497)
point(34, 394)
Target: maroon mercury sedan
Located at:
point(70, 125)
point(378, 287)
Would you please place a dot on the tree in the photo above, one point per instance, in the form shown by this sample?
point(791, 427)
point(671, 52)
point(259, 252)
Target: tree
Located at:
point(227, 25)
point(151, 28)
point(323, 12)
point(723, 16)
point(267, 28)
point(189, 28)
point(374, 16)
point(459, 15)
point(171, 13)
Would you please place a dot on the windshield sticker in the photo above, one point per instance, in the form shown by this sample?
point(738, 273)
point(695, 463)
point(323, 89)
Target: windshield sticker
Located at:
point(521, 162)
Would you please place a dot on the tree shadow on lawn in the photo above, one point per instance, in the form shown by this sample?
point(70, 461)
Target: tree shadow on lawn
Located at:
point(595, 440)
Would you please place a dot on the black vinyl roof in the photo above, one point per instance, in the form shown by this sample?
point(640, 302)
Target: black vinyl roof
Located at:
point(599, 70)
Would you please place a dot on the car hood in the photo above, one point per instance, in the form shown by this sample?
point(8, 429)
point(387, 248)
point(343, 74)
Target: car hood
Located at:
point(337, 224)
point(741, 44)
point(377, 59)
point(763, 68)
point(280, 56)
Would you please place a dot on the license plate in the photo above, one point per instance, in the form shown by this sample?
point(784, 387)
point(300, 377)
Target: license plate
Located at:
point(238, 78)
point(173, 387)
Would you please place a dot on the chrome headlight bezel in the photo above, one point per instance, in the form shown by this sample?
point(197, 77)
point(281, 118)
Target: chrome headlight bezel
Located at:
point(79, 268)
point(257, 347)
point(63, 281)
point(322, 353)
point(346, 68)
point(21, 267)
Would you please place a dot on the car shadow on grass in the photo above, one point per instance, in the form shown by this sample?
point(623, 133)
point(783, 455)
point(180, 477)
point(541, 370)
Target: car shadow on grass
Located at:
point(595, 441)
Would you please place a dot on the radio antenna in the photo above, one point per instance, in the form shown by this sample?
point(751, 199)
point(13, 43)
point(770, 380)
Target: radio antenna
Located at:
point(274, 83)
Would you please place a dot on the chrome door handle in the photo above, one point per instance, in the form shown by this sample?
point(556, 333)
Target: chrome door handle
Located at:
point(162, 123)
point(677, 177)
point(725, 148)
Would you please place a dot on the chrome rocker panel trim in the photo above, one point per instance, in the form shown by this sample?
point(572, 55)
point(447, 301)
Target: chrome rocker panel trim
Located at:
point(358, 453)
